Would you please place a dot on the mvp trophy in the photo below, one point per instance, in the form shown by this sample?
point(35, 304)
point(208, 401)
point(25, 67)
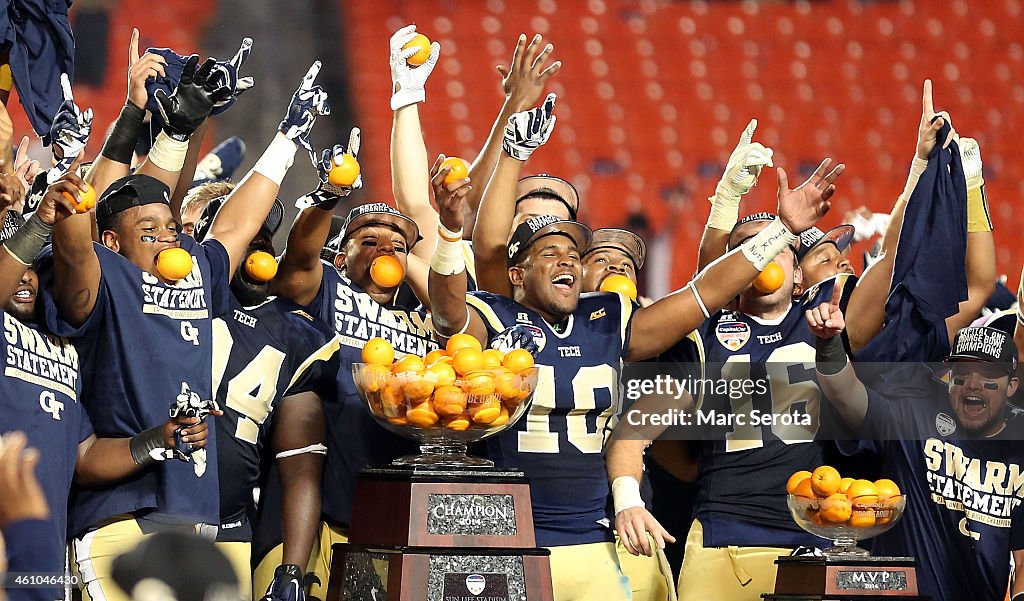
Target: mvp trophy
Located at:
point(845, 571)
point(442, 525)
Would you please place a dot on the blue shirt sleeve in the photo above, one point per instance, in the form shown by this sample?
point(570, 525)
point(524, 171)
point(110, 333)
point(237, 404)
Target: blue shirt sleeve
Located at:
point(886, 420)
point(220, 276)
point(33, 546)
point(54, 323)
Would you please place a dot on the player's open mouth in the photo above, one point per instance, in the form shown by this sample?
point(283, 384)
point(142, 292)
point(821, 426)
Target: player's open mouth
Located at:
point(24, 295)
point(974, 405)
point(564, 281)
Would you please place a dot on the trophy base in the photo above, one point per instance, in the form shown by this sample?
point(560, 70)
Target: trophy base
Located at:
point(361, 572)
point(443, 454)
point(863, 578)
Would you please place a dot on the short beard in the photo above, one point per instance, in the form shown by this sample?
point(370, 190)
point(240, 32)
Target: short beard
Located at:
point(248, 293)
point(22, 313)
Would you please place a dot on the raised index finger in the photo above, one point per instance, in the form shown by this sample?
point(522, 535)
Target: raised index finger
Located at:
point(307, 80)
point(133, 48)
point(748, 133)
point(927, 108)
point(65, 87)
point(837, 293)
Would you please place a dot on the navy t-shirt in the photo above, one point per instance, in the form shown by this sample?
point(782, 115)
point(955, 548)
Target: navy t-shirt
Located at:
point(142, 344)
point(963, 514)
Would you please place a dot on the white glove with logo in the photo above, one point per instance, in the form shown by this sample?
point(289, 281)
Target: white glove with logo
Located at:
point(529, 130)
point(740, 175)
point(70, 131)
point(407, 82)
point(970, 156)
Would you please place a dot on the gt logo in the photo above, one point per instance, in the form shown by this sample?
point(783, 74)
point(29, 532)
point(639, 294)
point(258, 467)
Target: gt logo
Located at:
point(513, 249)
point(49, 403)
point(190, 333)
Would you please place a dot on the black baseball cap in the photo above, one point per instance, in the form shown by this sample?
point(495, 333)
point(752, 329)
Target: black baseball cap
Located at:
point(985, 344)
point(270, 225)
point(130, 191)
point(840, 235)
point(13, 221)
point(377, 213)
point(535, 228)
point(191, 567)
point(550, 185)
point(622, 240)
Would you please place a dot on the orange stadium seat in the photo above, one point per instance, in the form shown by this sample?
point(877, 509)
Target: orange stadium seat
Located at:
point(654, 94)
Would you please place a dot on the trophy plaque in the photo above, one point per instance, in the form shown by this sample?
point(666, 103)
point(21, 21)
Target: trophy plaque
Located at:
point(441, 525)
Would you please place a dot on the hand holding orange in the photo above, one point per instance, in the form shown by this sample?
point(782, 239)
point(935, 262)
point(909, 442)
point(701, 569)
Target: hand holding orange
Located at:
point(345, 173)
point(422, 45)
point(459, 169)
point(86, 199)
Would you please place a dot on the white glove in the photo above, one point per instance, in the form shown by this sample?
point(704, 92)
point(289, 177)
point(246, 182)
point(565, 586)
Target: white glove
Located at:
point(970, 156)
point(529, 130)
point(70, 131)
point(740, 175)
point(407, 82)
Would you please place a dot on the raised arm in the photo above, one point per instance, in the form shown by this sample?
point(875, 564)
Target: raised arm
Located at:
point(662, 324)
point(299, 274)
point(523, 83)
point(525, 132)
point(836, 376)
point(740, 176)
point(249, 203)
point(76, 268)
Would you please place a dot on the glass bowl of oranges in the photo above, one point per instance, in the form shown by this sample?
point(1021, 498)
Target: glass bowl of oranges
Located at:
point(843, 510)
point(447, 399)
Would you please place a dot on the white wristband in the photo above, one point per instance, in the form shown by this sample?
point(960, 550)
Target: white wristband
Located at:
point(276, 159)
point(767, 244)
point(725, 210)
point(315, 449)
point(626, 493)
point(696, 296)
point(168, 153)
point(448, 257)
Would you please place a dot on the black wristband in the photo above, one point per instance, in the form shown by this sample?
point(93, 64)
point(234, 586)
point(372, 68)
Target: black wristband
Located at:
point(830, 356)
point(1017, 597)
point(142, 445)
point(124, 136)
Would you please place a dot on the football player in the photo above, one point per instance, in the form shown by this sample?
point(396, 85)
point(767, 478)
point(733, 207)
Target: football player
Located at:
point(582, 341)
point(272, 364)
point(146, 337)
point(955, 453)
point(41, 391)
point(351, 303)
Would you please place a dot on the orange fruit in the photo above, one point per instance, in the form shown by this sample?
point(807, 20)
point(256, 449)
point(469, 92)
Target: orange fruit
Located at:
point(345, 173)
point(86, 200)
point(480, 383)
point(443, 374)
point(886, 488)
point(399, 421)
point(374, 377)
point(378, 351)
point(844, 484)
point(835, 508)
point(803, 489)
point(460, 341)
point(492, 358)
point(795, 479)
point(174, 263)
point(770, 279)
point(434, 356)
point(620, 284)
point(468, 360)
point(862, 518)
point(422, 45)
point(408, 363)
point(486, 412)
point(422, 415)
point(457, 422)
point(459, 169)
point(502, 418)
point(825, 480)
point(260, 266)
point(418, 388)
point(518, 360)
point(449, 400)
point(392, 398)
point(507, 385)
point(863, 493)
point(386, 271)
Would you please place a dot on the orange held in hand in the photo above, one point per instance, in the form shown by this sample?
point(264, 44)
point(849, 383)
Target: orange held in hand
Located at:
point(770, 279)
point(621, 284)
point(422, 45)
point(345, 173)
point(459, 169)
point(174, 263)
point(378, 351)
point(386, 271)
point(261, 266)
point(86, 200)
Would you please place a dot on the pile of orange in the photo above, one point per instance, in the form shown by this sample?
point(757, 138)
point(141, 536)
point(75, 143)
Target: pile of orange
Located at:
point(838, 501)
point(460, 387)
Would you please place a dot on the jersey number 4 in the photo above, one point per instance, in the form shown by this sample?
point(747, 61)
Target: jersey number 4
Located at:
point(251, 392)
point(538, 437)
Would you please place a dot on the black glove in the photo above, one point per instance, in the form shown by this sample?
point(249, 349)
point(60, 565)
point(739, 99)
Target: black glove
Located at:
point(518, 336)
point(289, 584)
point(190, 104)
